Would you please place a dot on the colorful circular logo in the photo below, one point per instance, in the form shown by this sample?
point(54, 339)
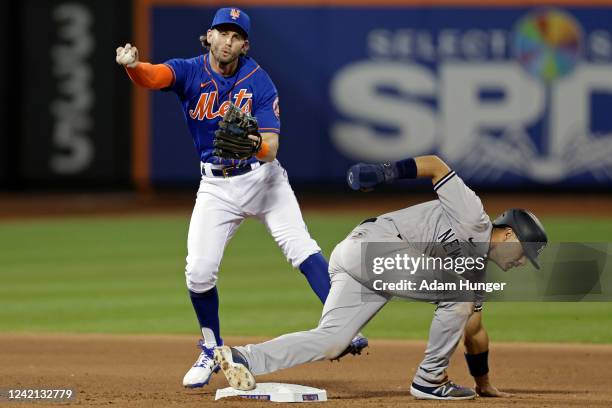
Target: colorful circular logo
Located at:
point(547, 43)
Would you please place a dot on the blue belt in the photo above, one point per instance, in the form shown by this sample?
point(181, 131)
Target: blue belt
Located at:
point(231, 171)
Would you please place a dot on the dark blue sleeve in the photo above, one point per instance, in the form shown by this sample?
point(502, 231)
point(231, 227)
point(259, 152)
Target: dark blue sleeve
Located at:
point(265, 106)
point(184, 72)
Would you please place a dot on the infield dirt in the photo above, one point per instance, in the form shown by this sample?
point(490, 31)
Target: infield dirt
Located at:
point(146, 371)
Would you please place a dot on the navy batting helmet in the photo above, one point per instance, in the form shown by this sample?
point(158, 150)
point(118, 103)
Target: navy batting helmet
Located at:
point(528, 229)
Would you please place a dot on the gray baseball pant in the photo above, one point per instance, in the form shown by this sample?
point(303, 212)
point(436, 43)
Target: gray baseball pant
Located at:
point(348, 308)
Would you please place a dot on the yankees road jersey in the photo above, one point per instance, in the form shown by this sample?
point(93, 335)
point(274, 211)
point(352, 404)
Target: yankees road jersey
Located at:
point(456, 217)
point(206, 95)
point(453, 225)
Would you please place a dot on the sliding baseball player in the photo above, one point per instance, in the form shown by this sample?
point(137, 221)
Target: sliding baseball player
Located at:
point(457, 216)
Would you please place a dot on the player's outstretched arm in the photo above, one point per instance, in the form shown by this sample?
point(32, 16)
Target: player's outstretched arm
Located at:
point(476, 342)
point(147, 75)
point(365, 176)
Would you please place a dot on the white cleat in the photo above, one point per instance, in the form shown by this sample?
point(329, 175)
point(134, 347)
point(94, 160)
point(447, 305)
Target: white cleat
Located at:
point(204, 367)
point(235, 369)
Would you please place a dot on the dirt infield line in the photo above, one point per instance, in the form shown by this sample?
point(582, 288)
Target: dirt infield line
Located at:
point(146, 371)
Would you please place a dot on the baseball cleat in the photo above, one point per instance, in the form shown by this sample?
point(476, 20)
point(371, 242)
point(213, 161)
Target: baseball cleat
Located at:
point(446, 391)
point(357, 345)
point(235, 367)
point(203, 368)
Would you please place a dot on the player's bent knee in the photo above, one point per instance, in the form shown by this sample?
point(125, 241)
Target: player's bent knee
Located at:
point(297, 251)
point(200, 287)
point(201, 274)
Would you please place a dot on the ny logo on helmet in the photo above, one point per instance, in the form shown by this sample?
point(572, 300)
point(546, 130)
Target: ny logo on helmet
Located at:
point(235, 13)
point(540, 249)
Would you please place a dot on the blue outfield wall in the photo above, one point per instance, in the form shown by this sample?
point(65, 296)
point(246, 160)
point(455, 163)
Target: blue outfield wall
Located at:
point(511, 97)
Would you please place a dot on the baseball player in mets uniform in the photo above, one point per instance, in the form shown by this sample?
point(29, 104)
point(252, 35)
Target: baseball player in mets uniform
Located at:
point(230, 190)
point(456, 216)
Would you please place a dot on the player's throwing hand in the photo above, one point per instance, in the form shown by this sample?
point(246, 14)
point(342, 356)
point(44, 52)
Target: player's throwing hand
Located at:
point(127, 56)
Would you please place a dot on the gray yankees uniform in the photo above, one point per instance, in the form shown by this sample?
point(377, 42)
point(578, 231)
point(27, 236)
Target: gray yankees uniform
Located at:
point(457, 216)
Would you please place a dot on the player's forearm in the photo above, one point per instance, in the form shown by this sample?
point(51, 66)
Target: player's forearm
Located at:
point(477, 348)
point(476, 342)
point(151, 76)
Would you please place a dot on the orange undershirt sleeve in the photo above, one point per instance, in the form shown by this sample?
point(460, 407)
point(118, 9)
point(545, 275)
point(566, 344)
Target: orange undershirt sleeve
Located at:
point(151, 76)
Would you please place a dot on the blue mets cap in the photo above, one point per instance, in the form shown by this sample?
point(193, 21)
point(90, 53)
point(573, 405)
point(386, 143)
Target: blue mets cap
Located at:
point(232, 15)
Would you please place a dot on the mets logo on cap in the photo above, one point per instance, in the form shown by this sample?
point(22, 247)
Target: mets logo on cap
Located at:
point(235, 13)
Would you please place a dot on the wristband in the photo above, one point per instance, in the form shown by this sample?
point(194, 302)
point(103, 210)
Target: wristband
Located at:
point(263, 151)
point(478, 363)
point(406, 169)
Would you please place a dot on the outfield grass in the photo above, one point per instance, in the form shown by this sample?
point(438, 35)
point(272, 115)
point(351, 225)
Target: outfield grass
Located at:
point(125, 275)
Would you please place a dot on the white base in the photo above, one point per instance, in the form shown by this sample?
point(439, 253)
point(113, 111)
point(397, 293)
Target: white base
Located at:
point(276, 392)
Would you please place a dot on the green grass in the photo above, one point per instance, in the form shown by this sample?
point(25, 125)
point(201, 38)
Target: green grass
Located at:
point(125, 275)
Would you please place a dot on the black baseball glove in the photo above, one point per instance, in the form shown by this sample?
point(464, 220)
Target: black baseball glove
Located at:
point(231, 139)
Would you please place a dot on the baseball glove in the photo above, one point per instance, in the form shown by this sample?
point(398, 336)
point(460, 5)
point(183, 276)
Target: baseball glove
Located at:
point(231, 139)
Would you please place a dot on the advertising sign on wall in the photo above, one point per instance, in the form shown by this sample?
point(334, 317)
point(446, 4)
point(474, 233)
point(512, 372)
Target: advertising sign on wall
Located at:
point(512, 97)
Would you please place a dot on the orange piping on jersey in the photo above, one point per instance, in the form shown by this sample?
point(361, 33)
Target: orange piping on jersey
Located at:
point(151, 76)
point(250, 73)
point(269, 129)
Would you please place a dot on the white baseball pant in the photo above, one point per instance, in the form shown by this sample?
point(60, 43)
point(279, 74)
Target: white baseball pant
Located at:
point(221, 206)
